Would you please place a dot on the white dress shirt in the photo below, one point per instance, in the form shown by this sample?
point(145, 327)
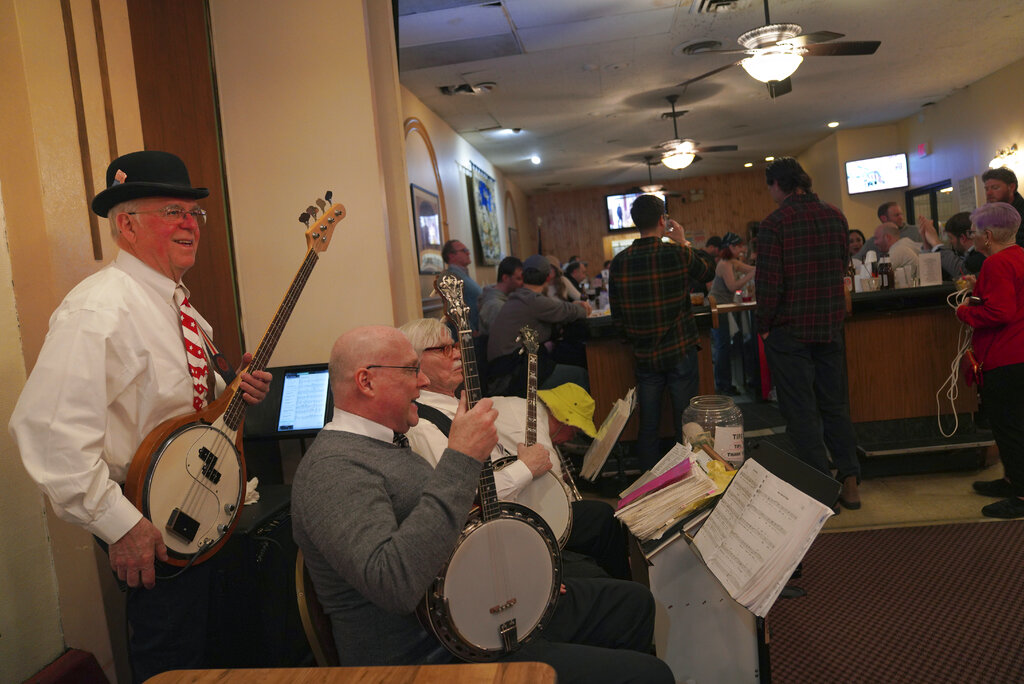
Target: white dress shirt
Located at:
point(111, 369)
point(350, 422)
point(427, 440)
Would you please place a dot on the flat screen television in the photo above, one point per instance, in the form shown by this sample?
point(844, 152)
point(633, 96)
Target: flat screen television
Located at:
point(877, 173)
point(298, 404)
point(618, 206)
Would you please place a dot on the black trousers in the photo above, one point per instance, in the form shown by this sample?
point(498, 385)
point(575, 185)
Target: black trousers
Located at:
point(1002, 393)
point(598, 534)
point(601, 633)
point(810, 381)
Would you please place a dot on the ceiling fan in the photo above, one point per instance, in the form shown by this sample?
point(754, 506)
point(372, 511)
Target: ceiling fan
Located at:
point(651, 186)
point(776, 50)
point(678, 153)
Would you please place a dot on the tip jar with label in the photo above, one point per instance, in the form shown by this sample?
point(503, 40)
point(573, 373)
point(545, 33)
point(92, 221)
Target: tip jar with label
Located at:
point(723, 421)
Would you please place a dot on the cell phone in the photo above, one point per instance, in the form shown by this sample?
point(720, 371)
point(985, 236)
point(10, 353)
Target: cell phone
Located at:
point(975, 301)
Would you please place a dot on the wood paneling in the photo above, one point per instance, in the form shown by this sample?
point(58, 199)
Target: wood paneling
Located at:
point(575, 221)
point(174, 70)
point(898, 361)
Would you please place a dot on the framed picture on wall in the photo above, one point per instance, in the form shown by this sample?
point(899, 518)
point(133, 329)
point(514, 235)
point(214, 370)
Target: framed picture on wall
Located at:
point(426, 219)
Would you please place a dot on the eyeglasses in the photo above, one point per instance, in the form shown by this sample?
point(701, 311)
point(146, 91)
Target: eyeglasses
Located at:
point(445, 349)
point(175, 214)
point(415, 369)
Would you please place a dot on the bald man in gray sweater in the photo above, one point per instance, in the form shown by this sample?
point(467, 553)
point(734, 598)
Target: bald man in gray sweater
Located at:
point(376, 524)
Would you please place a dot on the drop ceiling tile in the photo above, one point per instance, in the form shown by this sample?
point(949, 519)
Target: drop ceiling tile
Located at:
point(591, 31)
point(536, 13)
point(453, 24)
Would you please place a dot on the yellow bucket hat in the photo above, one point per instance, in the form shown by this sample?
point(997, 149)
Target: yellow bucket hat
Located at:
point(570, 404)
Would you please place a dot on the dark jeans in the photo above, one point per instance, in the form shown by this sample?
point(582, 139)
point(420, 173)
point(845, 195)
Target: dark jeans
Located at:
point(721, 353)
point(682, 382)
point(600, 633)
point(1002, 393)
point(810, 381)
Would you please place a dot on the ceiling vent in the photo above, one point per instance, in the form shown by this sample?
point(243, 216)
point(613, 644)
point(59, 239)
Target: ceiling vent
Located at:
point(467, 89)
point(714, 6)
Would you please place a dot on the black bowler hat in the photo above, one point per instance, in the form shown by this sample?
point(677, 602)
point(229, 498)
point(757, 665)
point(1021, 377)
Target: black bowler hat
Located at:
point(145, 174)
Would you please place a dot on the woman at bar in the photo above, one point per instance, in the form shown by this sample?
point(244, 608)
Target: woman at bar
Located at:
point(996, 313)
point(731, 274)
point(856, 241)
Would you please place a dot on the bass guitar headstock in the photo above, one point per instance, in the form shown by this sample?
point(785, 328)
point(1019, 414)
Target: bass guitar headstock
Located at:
point(318, 235)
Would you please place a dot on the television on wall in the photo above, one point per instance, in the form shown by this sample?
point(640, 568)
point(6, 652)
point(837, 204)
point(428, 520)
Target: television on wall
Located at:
point(877, 173)
point(298, 404)
point(618, 207)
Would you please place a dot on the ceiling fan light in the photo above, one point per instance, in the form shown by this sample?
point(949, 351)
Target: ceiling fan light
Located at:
point(650, 189)
point(772, 65)
point(678, 160)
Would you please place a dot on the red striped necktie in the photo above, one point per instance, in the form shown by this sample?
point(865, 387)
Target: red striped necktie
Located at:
point(195, 355)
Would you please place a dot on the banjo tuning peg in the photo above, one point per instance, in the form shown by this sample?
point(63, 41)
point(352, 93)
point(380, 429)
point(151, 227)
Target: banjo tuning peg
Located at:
point(322, 204)
point(304, 218)
point(328, 196)
point(312, 211)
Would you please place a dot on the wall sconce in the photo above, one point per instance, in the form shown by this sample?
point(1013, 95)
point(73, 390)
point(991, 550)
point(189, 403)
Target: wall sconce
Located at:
point(1010, 158)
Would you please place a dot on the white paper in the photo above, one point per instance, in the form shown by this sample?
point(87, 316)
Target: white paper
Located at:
point(929, 269)
point(729, 444)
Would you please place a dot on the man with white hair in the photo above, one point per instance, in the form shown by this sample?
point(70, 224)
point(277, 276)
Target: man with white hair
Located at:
point(562, 410)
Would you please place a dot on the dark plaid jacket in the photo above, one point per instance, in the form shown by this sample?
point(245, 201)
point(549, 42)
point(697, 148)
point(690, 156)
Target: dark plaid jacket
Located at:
point(802, 249)
point(649, 294)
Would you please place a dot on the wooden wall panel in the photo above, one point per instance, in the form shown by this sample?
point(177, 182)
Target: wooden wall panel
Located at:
point(574, 221)
point(174, 70)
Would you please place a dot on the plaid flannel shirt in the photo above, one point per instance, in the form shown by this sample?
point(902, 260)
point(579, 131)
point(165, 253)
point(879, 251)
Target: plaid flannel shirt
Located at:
point(649, 294)
point(802, 251)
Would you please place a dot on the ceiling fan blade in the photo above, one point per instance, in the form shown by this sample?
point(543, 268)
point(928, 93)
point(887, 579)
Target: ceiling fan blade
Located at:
point(718, 148)
point(853, 47)
point(779, 88)
point(811, 38)
point(703, 76)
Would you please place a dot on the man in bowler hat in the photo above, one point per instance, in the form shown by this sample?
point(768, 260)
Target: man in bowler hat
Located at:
point(114, 366)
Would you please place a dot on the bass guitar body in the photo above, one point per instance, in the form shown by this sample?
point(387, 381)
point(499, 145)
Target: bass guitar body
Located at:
point(499, 586)
point(191, 482)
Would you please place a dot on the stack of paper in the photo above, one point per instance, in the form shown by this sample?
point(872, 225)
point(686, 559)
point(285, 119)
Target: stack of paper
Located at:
point(607, 435)
point(757, 534)
point(661, 497)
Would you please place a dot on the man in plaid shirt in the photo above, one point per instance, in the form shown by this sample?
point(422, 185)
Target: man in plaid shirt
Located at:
point(801, 259)
point(649, 294)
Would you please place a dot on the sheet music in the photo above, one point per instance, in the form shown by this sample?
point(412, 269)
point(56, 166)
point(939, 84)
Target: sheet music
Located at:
point(757, 533)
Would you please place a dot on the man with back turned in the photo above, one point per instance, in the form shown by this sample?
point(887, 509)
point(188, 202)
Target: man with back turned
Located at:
point(802, 255)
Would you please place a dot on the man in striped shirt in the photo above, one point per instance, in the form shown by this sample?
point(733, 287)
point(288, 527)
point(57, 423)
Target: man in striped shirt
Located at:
point(649, 294)
point(801, 260)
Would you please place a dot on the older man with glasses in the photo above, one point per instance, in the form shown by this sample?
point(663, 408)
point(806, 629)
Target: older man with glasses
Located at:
point(118, 360)
point(376, 523)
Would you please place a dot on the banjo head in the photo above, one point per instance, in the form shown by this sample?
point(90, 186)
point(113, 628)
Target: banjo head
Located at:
point(504, 569)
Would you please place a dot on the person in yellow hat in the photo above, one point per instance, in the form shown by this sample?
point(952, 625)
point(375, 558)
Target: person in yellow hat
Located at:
point(573, 408)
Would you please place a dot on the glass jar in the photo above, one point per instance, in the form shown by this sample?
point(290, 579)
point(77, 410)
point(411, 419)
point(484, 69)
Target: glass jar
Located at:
point(722, 421)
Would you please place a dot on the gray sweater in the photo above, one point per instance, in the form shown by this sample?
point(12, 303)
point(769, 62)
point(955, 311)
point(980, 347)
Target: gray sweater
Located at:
point(376, 523)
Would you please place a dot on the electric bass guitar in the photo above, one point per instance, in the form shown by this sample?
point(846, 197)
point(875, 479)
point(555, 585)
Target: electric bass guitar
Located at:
point(498, 589)
point(188, 475)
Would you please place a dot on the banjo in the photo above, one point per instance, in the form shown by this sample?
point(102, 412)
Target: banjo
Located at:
point(498, 589)
point(548, 494)
point(188, 475)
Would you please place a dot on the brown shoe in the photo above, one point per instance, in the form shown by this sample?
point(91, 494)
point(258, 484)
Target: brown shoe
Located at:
point(850, 496)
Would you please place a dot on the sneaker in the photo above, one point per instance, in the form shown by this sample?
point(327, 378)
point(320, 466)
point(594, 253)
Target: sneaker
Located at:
point(1000, 488)
point(1007, 508)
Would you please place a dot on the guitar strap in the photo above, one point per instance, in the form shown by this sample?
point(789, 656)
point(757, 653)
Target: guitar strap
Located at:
point(220, 364)
point(443, 422)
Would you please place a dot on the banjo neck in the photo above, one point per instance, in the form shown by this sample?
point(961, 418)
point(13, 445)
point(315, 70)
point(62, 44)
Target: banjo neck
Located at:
point(489, 505)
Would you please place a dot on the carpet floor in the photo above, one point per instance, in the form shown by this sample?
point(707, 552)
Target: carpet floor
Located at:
point(932, 604)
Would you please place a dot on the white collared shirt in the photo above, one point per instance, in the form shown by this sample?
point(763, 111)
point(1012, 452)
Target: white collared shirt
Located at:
point(344, 421)
point(111, 369)
point(428, 441)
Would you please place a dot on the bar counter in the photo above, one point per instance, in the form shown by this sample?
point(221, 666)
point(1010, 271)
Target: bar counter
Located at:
point(899, 348)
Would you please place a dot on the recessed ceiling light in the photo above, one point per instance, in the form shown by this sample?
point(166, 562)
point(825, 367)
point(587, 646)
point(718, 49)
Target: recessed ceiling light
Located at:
point(768, 159)
point(833, 124)
point(748, 165)
point(535, 159)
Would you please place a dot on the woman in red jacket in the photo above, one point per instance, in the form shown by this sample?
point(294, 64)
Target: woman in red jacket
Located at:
point(997, 316)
